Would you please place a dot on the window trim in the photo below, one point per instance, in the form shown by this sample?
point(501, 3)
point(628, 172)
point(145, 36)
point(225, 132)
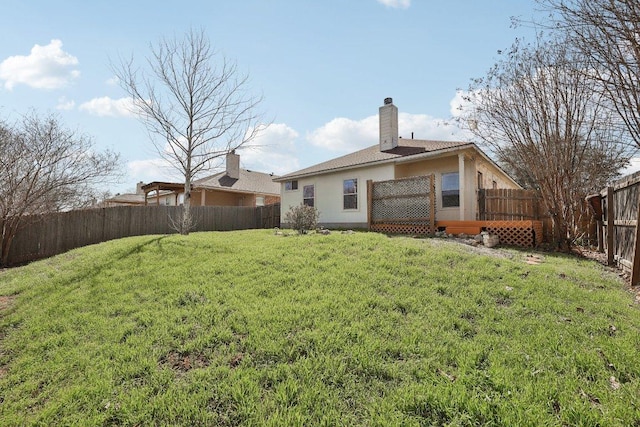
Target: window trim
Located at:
point(291, 185)
point(313, 195)
point(442, 191)
point(354, 194)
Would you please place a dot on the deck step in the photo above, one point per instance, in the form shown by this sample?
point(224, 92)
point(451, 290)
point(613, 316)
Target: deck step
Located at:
point(464, 229)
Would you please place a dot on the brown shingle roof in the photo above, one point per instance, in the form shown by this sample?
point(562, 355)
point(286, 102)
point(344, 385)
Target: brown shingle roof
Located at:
point(372, 155)
point(127, 198)
point(249, 182)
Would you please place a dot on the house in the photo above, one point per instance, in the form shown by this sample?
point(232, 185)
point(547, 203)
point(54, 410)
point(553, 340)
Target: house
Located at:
point(126, 199)
point(338, 188)
point(232, 187)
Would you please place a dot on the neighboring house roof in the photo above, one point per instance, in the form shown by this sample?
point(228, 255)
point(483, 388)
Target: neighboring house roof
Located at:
point(407, 149)
point(248, 182)
point(128, 198)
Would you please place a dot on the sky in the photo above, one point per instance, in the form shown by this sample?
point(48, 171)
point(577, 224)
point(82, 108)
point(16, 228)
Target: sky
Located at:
point(324, 68)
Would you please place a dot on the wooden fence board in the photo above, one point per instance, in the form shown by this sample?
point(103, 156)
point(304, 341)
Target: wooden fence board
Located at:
point(51, 234)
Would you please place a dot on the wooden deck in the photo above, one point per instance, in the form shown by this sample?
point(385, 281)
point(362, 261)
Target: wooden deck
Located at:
point(517, 233)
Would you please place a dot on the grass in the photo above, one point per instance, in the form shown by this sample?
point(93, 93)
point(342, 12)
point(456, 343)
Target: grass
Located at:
point(249, 328)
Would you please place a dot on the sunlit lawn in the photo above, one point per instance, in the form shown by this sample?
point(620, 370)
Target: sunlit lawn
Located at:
point(250, 328)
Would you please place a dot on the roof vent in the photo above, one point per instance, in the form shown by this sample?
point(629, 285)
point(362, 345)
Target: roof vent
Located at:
point(388, 101)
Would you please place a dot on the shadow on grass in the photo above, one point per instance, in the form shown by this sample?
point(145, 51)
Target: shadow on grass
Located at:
point(96, 269)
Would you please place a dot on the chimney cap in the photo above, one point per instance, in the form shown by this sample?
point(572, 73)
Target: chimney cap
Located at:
point(388, 101)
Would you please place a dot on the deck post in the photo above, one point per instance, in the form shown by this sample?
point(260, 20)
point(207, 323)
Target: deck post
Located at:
point(461, 186)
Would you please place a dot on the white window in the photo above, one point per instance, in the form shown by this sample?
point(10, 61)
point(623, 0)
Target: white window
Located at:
point(308, 195)
point(291, 185)
point(450, 190)
point(259, 200)
point(350, 193)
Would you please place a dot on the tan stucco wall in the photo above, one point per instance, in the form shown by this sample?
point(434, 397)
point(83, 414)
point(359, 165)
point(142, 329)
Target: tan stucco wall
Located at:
point(222, 198)
point(439, 166)
point(473, 163)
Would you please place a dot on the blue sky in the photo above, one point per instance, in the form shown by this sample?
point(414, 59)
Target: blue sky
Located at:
point(323, 67)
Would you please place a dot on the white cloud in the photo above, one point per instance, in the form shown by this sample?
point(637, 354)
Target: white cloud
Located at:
point(396, 4)
point(46, 67)
point(149, 170)
point(106, 106)
point(345, 135)
point(273, 150)
point(634, 166)
point(64, 104)
point(113, 81)
point(459, 104)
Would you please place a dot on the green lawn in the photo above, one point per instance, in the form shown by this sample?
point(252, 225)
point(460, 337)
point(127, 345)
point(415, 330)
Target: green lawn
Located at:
point(250, 328)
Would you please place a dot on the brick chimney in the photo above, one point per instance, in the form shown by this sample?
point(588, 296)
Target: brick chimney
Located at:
point(233, 165)
point(388, 114)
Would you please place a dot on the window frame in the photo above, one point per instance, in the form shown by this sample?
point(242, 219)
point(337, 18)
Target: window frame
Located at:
point(447, 194)
point(305, 197)
point(350, 195)
point(291, 185)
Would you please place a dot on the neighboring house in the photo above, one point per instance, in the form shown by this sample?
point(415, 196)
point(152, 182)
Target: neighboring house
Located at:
point(126, 199)
point(232, 187)
point(338, 187)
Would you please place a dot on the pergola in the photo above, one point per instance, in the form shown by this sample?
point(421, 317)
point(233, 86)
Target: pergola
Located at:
point(161, 186)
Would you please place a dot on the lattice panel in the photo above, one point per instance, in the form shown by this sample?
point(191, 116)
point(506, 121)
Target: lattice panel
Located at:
point(404, 201)
point(401, 228)
point(401, 208)
point(402, 187)
point(514, 234)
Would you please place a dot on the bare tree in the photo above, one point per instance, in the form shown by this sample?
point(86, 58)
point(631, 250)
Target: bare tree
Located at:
point(45, 167)
point(538, 111)
point(195, 104)
point(607, 32)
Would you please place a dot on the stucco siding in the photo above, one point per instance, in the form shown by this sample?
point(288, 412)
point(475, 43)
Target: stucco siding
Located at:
point(328, 187)
point(437, 166)
point(491, 174)
point(329, 196)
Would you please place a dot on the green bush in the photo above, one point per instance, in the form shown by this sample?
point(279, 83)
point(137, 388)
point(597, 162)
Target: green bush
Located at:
point(302, 218)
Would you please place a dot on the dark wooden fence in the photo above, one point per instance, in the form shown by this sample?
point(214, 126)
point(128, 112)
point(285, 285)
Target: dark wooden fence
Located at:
point(617, 207)
point(51, 234)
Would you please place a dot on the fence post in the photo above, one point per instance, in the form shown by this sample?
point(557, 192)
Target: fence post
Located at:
point(635, 270)
point(600, 236)
point(369, 202)
point(610, 225)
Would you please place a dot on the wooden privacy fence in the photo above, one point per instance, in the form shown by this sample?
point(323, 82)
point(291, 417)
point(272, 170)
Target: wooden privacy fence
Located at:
point(405, 205)
point(514, 205)
point(509, 204)
point(618, 210)
point(51, 234)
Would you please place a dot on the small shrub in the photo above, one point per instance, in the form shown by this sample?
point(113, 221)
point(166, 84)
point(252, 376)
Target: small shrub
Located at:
point(302, 218)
